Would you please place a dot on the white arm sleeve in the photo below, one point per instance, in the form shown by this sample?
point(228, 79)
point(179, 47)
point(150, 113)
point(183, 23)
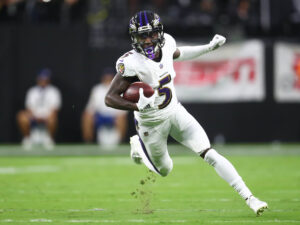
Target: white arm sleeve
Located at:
point(192, 52)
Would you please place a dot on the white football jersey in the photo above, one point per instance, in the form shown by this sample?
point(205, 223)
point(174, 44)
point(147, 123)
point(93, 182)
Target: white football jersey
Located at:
point(41, 101)
point(159, 75)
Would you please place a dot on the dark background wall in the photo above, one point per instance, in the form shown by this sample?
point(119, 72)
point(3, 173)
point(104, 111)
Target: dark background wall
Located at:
point(25, 49)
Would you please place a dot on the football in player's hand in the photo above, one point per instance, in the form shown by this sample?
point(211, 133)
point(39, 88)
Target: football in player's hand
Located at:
point(132, 92)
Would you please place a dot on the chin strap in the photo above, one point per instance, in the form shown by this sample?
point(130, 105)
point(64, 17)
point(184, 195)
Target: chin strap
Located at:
point(149, 52)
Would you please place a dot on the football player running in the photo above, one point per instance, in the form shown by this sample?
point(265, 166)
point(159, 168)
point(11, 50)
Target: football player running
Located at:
point(161, 115)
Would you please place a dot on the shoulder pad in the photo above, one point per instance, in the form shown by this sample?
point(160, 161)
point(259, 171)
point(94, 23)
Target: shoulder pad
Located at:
point(125, 65)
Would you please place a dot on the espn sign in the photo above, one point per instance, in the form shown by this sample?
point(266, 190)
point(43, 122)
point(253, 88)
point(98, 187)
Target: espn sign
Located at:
point(287, 72)
point(201, 73)
point(232, 73)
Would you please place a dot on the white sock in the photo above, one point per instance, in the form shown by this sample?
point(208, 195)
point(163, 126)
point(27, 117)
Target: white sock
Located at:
point(226, 170)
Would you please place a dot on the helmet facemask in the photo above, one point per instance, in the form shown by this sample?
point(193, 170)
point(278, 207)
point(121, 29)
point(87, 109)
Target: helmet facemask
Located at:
point(152, 28)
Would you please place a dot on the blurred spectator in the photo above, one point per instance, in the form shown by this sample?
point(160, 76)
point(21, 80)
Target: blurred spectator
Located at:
point(295, 15)
point(154, 5)
point(206, 16)
point(109, 124)
point(38, 122)
point(72, 11)
point(249, 16)
point(42, 11)
point(106, 22)
point(39, 11)
point(293, 21)
point(238, 19)
point(243, 10)
point(11, 10)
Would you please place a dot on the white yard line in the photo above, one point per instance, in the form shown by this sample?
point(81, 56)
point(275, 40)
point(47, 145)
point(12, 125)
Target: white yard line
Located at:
point(155, 210)
point(254, 221)
point(132, 200)
point(43, 220)
point(100, 191)
point(29, 169)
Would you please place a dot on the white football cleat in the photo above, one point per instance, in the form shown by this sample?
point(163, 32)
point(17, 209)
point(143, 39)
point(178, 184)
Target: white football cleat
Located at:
point(48, 142)
point(27, 143)
point(134, 149)
point(256, 205)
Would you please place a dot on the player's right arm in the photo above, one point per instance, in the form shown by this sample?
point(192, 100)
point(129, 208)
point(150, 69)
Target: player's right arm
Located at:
point(113, 97)
point(126, 74)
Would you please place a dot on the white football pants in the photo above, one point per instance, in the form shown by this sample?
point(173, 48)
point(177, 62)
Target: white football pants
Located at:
point(183, 127)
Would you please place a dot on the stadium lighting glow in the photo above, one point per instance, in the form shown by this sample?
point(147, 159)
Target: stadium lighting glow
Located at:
point(46, 0)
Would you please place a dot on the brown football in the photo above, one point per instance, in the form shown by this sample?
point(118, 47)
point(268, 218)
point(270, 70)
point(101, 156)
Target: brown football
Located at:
point(132, 92)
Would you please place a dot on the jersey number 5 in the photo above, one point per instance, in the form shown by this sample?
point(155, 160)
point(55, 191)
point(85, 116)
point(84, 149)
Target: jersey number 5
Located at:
point(165, 91)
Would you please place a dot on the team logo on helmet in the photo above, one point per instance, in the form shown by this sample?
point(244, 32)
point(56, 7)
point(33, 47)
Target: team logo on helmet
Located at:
point(132, 26)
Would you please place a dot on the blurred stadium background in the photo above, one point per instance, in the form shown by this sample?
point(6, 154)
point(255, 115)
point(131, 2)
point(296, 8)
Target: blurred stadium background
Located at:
point(77, 39)
point(246, 95)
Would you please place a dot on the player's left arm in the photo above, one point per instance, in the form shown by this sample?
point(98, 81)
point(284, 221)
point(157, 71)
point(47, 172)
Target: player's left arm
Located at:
point(191, 52)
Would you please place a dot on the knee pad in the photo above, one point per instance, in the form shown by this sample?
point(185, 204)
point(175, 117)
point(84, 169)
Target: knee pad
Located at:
point(211, 157)
point(166, 169)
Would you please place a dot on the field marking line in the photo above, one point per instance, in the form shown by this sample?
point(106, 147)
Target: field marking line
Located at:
point(155, 210)
point(224, 200)
point(29, 169)
point(43, 220)
point(288, 191)
point(254, 221)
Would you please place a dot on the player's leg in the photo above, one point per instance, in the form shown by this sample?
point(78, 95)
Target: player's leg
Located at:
point(23, 121)
point(150, 147)
point(51, 124)
point(87, 126)
point(189, 132)
point(227, 171)
point(107, 134)
point(121, 125)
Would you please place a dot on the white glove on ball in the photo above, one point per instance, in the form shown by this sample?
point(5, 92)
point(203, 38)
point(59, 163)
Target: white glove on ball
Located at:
point(145, 103)
point(217, 41)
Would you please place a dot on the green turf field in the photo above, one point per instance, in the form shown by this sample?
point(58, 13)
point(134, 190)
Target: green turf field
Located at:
point(77, 184)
